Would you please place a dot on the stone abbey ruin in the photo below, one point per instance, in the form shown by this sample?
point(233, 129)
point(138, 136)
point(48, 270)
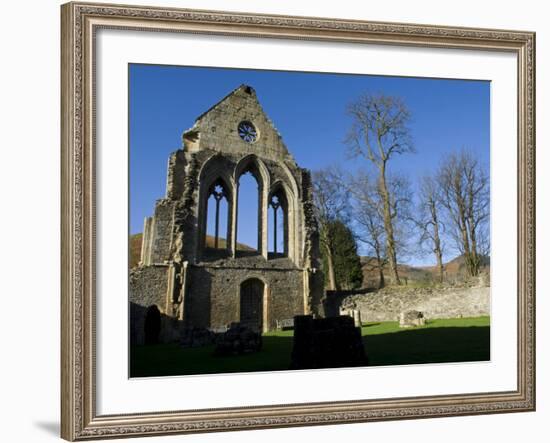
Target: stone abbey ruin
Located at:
point(187, 279)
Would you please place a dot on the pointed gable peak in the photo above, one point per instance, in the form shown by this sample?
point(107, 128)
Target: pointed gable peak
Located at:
point(242, 89)
point(237, 124)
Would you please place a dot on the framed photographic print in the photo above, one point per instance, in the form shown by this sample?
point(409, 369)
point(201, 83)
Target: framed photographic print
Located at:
point(282, 221)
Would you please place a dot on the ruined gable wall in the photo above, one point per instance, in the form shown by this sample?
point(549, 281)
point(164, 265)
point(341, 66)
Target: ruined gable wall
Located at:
point(218, 128)
point(214, 148)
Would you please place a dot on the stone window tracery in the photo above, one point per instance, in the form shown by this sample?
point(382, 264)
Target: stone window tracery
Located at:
point(217, 203)
point(278, 229)
point(247, 131)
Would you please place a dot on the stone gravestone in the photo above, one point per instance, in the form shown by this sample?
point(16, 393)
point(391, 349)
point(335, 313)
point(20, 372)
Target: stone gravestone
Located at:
point(285, 324)
point(408, 319)
point(196, 337)
point(332, 342)
point(238, 339)
point(353, 313)
point(356, 314)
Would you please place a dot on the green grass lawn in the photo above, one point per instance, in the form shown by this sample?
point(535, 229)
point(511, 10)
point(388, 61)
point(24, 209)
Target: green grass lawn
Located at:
point(439, 341)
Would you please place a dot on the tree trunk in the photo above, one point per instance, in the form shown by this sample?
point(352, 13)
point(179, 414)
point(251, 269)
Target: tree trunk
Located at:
point(472, 260)
point(474, 257)
point(463, 226)
point(381, 280)
point(388, 226)
point(440, 270)
point(331, 275)
point(437, 242)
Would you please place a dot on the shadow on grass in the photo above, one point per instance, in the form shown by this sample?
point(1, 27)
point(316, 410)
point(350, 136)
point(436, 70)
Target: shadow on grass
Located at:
point(429, 345)
point(413, 346)
point(171, 359)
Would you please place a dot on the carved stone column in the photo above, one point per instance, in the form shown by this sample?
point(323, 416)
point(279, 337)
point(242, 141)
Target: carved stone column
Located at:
point(233, 219)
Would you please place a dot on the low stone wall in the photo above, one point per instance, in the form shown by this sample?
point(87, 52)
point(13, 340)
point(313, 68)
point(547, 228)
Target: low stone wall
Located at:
point(387, 304)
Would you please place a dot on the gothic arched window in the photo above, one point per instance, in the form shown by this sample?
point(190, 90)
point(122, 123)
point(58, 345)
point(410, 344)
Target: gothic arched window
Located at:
point(217, 220)
point(248, 224)
point(278, 224)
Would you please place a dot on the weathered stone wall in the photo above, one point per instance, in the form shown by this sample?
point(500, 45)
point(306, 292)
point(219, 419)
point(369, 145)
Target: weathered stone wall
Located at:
point(175, 178)
point(386, 305)
point(148, 286)
point(214, 290)
point(312, 254)
point(170, 327)
point(162, 231)
point(146, 241)
point(285, 296)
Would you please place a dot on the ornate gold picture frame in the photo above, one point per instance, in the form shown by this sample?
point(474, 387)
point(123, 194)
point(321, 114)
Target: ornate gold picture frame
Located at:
point(80, 23)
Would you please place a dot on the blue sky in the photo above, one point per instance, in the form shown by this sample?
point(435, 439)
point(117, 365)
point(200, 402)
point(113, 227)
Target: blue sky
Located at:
point(308, 109)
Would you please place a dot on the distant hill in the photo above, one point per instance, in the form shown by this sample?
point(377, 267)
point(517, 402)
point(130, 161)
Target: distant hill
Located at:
point(135, 249)
point(136, 240)
point(458, 265)
point(455, 269)
point(406, 272)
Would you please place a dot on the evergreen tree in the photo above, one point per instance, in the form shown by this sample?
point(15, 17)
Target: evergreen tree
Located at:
point(347, 263)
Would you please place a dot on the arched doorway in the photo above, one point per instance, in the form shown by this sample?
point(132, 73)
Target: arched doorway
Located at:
point(252, 297)
point(152, 325)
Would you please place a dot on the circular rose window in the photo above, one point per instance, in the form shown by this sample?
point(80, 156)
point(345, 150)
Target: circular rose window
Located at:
point(247, 132)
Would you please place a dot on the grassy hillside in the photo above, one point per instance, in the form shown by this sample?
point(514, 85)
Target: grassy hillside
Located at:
point(135, 249)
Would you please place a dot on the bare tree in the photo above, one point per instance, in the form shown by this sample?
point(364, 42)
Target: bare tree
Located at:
point(464, 187)
point(428, 221)
point(401, 199)
point(380, 132)
point(331, 203)
point(367, 215)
